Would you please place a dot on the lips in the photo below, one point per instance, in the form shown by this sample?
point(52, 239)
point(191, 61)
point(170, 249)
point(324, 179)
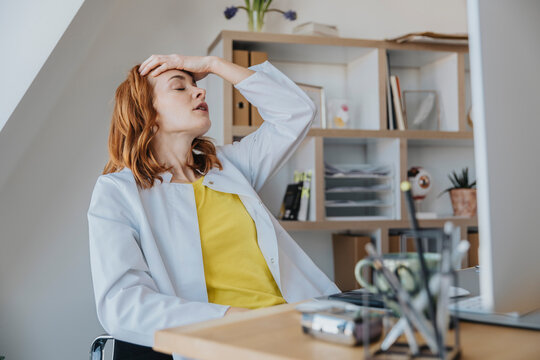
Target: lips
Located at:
point(201, 107)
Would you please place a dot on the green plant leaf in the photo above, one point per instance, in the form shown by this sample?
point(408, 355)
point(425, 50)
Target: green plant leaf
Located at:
point(454, 180)
point(266, 5)
point(460, 181)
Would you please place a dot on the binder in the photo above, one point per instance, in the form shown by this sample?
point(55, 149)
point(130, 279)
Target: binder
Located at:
point(348, 250)
point(241, 107)
point(255, 58)
point(473, 238)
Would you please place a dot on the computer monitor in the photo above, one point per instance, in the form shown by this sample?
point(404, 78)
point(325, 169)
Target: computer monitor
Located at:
point(504, 50)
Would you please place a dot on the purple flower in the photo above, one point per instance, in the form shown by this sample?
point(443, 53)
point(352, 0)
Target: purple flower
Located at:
point(291, 15)
point(230, 12)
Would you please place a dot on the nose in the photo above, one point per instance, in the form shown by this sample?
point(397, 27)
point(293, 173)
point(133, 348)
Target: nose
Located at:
point(199, 92)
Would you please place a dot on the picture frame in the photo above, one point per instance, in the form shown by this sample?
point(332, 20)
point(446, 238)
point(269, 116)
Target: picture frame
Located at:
point(421, 109)
point(317, 95)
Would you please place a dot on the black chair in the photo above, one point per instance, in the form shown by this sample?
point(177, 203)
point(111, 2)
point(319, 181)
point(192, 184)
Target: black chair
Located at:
point(124, 351)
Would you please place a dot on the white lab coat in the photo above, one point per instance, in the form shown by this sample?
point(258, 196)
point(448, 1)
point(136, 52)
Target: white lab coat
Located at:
point(145, 247)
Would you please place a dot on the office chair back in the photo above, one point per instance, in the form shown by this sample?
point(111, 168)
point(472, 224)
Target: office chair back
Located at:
point(124, 351)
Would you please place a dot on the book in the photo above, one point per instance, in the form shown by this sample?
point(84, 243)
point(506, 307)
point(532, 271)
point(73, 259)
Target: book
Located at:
point(303, 212)
point(241, 107)
point(432, 37)
point(314, 28)
point(255, 58)
point(389, 103)
point(401, 103)
point(397, 103)
point(291, 202)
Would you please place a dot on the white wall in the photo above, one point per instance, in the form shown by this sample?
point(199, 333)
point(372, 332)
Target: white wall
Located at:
point(54, 146)
point(37, 22)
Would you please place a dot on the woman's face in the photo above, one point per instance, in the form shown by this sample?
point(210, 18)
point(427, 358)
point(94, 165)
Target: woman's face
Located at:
point(176, 97)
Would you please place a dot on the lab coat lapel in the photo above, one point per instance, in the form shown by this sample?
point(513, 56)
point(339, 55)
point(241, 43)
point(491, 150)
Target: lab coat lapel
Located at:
point(229, 180)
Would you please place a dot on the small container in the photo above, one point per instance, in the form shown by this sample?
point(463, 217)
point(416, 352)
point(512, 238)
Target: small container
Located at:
point(339, 325)
point(339, 114)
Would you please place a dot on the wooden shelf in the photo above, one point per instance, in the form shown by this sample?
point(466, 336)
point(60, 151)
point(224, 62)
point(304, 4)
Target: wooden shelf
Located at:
point(355, 133)
point(269, 38)
point(458, 221)
point(336, 64)
point(334, 225)
point(373, 224)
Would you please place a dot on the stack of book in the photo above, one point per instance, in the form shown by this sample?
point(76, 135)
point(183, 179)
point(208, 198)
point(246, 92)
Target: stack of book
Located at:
point(432, 37)
point(399, 120)
point(317, 29)
point(295, 204)
point(396, 114)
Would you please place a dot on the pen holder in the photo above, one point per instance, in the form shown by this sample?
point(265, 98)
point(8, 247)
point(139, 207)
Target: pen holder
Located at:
point(406, 268)
point(422, 326)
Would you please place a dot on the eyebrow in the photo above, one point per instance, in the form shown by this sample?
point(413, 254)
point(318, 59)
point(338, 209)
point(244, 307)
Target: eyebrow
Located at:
point(180, 77)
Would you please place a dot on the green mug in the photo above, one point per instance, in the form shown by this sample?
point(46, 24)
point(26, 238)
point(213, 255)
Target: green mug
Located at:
point(406, 267)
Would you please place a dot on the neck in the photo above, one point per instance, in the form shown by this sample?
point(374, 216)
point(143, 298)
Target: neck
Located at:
point(175, 151)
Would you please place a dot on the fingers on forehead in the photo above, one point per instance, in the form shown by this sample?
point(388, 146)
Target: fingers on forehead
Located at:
point(148, 60)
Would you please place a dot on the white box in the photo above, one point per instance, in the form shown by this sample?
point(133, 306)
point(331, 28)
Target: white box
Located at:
point(313, 28)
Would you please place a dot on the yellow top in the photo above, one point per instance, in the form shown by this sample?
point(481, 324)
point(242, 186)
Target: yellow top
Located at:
point(235, 270)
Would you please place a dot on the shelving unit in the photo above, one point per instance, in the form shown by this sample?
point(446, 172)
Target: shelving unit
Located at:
point(357, 133)
point(356, 69)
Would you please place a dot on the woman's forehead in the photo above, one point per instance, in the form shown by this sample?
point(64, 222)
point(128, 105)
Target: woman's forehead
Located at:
point(170, 75)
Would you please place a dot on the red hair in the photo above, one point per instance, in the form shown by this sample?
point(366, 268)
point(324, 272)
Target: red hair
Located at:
point(133, 119)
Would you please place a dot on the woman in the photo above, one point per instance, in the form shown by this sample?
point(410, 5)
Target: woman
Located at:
point(177, 231)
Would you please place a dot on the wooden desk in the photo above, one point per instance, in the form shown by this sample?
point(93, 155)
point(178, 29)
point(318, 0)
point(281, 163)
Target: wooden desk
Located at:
point(275, 333)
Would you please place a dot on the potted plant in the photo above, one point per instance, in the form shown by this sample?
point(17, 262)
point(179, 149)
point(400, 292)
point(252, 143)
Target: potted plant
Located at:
point(462, 193)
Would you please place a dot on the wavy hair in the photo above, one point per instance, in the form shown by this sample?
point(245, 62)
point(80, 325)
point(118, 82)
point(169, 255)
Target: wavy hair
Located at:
point(131, 134)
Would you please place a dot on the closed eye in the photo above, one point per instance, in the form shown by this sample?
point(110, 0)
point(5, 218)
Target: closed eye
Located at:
point(181, 89)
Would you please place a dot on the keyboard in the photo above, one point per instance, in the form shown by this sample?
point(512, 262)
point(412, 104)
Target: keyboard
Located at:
point(474, 305)
point(358, 297)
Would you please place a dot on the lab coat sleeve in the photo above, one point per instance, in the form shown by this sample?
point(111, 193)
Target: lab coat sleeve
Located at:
point(288, 114)
point(129, 305)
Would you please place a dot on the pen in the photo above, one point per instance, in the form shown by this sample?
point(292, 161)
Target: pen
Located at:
point(416, 318)
point(406, 188)
point(420, 301)
point(409, 334)
point(444, 285)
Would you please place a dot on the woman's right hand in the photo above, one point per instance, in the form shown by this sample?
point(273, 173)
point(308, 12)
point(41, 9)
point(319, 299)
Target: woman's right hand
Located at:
point(233, 310)
point(199, 66)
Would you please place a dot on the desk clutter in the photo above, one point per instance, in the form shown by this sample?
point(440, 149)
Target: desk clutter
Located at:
point(405, 295)
point(340, 322)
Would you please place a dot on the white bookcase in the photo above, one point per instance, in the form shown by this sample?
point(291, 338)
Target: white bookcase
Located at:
point(356, 69)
